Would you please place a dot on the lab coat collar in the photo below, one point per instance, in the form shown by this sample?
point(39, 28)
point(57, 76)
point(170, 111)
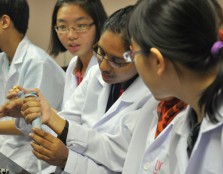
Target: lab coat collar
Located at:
point(19, 56)
point(178, 145)
point(182, 126)
point(92, 62)
point(21, 51)
point(181, 122)
point(181, 131)
point(130, 94)
point(207, 125)
point(136, 85)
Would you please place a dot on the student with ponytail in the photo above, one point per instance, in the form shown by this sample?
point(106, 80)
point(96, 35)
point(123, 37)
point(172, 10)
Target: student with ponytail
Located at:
point(178, 51)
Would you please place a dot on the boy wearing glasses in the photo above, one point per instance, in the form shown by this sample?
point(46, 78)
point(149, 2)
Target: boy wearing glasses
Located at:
point(94, 131)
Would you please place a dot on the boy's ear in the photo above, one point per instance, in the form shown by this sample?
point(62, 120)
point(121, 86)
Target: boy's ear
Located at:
point(5, 21)
point(160, 60)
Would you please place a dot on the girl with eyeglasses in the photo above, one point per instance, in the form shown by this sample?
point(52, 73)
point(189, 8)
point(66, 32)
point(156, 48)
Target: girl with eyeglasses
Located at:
point(76, 27)
point(94, 133)
point(179, 46)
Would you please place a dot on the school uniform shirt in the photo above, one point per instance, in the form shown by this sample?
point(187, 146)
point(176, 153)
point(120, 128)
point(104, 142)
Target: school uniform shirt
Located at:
point(206, 156)
point(31, 68)
point(154, 157)
point(71, 79)
point(98, 140)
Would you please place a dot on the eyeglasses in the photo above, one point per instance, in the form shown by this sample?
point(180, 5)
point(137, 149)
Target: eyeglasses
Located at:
point(129, 55)
point(80, 28)
point(114, 62)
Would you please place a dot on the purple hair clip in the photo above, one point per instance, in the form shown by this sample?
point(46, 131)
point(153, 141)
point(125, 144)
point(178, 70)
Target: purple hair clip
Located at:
point(216, 47)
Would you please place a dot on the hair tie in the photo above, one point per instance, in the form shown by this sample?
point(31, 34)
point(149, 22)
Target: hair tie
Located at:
point(216, 47)
point(220, 34)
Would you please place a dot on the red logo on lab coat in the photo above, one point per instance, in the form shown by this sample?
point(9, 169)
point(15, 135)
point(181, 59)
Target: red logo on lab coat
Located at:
point(157, 167)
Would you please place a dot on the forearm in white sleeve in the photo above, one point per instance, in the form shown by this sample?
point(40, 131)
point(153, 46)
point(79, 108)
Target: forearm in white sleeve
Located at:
point(79, 164)
point(103, 148)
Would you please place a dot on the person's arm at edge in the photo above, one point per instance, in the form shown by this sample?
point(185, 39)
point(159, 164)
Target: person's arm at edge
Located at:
point(8, 128)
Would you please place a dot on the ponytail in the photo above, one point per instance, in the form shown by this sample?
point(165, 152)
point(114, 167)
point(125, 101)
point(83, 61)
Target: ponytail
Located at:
point(214, 93)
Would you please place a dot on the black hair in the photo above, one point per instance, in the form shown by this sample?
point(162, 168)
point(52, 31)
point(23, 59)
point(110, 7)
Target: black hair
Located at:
point(93, 8)
point(18, 11)
point(118, 23)
point(184, 31)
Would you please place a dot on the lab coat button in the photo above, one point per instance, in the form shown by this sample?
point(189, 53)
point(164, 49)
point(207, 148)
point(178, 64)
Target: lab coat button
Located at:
point(146, 166)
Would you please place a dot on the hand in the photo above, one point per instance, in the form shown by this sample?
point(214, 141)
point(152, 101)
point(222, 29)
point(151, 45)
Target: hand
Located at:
point(12, 108)
point(13, 93)
point(49, 148)
point(34, 107)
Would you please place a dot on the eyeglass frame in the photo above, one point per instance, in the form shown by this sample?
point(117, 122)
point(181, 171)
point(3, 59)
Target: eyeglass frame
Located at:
point(109, 60)
point(73, 28)
point(129, 55)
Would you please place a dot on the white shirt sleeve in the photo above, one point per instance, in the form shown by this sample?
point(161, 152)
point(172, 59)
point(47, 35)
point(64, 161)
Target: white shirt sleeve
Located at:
point(106, 147)
point(82, 164)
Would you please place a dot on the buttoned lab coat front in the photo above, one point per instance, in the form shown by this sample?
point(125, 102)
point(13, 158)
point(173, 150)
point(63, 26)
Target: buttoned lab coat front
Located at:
point(31, 68)
point(70, 78)
point(147, 154)
point(156, 155)
point(139, 138)
point(167, 154)
point(206, 157)
point(101, 137)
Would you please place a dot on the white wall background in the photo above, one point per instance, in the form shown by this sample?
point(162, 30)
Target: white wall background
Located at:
point(40, 19)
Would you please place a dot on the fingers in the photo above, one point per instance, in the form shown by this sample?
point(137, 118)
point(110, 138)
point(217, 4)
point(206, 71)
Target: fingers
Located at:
point(11, 108)
point(30, 117)
point(40, 152)
point(49, 148)
point(36, 90)
point(31, 109)
point(13, 93)
point(1, 113)
point(30, 102)
point(43, 144)
point(44, 135)
point(17, 87)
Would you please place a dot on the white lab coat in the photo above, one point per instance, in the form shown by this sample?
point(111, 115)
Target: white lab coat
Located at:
point(31, 68)
point(70, 78)
point(167, 154)
point(137, 146)
point(98, 141)
point(206, 157)
point(102, 137)
point(147, 154)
